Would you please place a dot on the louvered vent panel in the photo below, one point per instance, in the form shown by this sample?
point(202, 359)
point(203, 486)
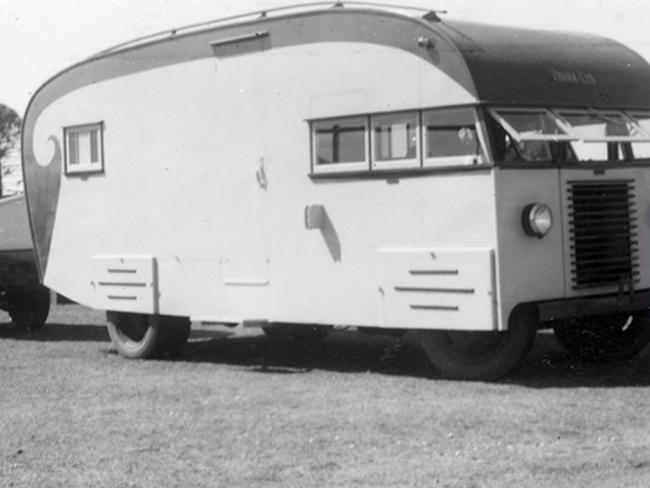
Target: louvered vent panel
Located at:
point(602, 223)
point(125, 283)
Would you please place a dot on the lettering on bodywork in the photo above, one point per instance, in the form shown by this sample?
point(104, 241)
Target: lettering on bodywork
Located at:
point(571, 76)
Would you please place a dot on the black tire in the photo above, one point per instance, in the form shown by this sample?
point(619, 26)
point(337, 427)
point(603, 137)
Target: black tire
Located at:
point(481, 356)
point(602, 337)
point(29, 308)
point(141, 336)
point(303, 333)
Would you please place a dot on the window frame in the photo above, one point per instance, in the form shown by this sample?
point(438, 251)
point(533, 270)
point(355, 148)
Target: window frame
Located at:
point(347, 167)
point(407, 167)
point(570, 135)
point(85, 168)
point(403, 163)
point(634, 115)
point(571, 111)
point(479, 160)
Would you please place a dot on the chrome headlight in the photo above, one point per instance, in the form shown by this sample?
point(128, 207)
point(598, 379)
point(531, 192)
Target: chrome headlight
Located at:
point(537, 219)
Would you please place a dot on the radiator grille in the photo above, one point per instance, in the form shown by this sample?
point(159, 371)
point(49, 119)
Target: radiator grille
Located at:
point(602, 223)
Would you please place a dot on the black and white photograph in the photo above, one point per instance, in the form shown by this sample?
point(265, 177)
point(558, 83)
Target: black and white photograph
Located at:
point(267, 243)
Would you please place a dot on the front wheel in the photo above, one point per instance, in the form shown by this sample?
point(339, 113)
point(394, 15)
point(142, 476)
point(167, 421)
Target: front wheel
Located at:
point(141, 336)
point(611, 336)
point(481, 356)
point(29, 308)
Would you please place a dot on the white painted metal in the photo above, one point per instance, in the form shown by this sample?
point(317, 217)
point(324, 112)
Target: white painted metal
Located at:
point(529, 268)
point(188, 140)
point(126, 283)
point(438, 288)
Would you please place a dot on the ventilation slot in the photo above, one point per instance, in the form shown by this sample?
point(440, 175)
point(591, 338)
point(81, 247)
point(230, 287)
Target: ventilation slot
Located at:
point(125, 283)
point(602, 223)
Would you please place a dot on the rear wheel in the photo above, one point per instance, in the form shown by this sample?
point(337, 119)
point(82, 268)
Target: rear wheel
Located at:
point(481, 356)
point(611, 336)
point(141, 336)
point(296, 332)
point(29, 308)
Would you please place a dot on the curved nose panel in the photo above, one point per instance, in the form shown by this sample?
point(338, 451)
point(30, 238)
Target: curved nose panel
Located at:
point(42, 184)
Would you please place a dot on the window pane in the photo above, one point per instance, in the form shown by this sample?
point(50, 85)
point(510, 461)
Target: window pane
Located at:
point(84, 151)
point(531, 124)
point(506, 148)
point(644, 121)
point(450, 133)
point(530, 151)
point(589, 151)
point(94, 152)
point(73, 148)
point(599, 125)
point(642, 149)
point(341, 141)
point(395, 136)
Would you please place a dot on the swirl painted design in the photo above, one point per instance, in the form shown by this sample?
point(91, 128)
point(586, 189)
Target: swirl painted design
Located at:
point(56, 157)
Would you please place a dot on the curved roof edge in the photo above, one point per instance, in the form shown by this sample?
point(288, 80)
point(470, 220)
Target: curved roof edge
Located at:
point(521, 66)
point(286, 11)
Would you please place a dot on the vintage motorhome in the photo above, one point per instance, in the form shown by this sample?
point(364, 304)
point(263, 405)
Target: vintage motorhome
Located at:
point(351, 164)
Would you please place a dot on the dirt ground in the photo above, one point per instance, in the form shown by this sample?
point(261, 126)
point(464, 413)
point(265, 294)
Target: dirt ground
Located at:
point(236, 410)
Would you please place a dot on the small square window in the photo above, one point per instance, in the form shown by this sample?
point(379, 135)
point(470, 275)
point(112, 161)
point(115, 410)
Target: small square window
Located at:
point(451, 138)
point(340, 144)
point(84, 148)
point(396, 140)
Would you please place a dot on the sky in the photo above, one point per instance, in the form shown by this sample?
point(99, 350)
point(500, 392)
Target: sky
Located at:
point(39, 38)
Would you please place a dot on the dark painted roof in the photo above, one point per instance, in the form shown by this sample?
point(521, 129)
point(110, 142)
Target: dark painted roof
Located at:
point(520, 66)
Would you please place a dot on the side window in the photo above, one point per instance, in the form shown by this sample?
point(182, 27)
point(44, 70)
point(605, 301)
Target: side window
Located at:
point(340, 144)
point(395, 140)
point(409, 140)
point(451, 138)
point(602, 135)
point(84, 148)
point(642, 149)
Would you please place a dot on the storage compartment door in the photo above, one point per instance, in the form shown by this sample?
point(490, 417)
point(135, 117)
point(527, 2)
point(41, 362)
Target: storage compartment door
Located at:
point(437, 288)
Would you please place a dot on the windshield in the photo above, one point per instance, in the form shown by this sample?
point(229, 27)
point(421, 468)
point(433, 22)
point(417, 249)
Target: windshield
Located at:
point(568, 136)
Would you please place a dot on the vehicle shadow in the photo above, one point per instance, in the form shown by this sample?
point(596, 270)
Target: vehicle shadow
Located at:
point(56, 332)
point(547, 366)
point(345, 351)
point(550, 366)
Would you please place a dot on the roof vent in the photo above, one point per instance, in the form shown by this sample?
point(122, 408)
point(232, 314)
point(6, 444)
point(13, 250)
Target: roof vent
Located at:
point(431, 16)
point(426, 42)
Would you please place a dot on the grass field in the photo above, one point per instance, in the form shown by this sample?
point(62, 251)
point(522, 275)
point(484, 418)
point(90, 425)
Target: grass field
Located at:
point(236, 410)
